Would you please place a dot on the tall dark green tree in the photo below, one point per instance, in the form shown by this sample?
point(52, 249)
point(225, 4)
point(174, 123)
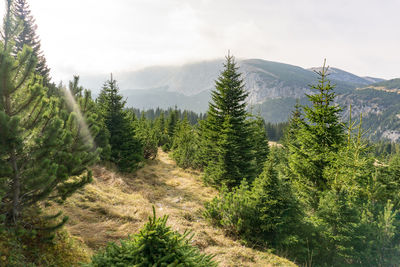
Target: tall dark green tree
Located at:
point(126, 150)
point(317, 138)
point(226, 150)
point(259, 141)
point(44, 150)
point(90, 110)
point(27, 36)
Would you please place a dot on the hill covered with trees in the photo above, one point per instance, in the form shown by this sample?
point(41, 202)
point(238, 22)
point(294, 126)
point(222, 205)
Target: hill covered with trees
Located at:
point(78, 171)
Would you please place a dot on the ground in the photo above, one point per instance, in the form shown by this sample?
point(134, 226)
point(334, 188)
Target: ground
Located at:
point(115, 205)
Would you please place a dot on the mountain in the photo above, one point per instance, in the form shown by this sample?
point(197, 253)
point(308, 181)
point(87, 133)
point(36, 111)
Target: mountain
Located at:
point(392, 85)
point(160, 97)
point(264, 79)
point(373, 80)
point(273, 89)
point(344, 76)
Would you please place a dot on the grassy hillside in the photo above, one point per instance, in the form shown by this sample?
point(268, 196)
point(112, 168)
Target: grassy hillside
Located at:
point(114, 206)
point(390, 84)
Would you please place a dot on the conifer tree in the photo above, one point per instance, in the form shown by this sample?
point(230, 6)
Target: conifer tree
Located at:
point(171, 122)
point(170, 128)
point(184, 147)
point(90, 110)
point(155, 245)
point(159, 127)
point(226, 150)
point(44, 153)
point(28, 36)
point(259, 141)
point(126, 150)
point(147, 136)
point(316, 138)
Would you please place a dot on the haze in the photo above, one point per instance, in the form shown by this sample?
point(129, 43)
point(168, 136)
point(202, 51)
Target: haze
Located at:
point(88, 37)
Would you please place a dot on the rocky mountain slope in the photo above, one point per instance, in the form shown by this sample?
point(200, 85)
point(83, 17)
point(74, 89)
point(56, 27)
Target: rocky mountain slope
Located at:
point(273, 89)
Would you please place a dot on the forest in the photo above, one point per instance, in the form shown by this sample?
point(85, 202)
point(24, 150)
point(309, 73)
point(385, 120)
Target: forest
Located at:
point(325, 196)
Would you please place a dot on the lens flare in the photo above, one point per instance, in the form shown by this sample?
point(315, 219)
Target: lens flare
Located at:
point(83, 130)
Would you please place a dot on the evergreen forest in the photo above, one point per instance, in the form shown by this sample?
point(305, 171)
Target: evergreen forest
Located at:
point(313, 190)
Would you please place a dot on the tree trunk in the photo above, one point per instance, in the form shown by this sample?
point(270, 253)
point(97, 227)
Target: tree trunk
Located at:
point(16, 188)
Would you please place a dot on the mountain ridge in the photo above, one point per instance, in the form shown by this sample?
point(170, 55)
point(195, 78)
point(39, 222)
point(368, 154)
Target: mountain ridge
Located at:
point(273, 89)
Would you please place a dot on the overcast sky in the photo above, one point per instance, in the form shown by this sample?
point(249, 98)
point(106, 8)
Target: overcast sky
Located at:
point(102, 36)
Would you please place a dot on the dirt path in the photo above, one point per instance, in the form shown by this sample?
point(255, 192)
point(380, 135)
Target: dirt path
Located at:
point(115, 205)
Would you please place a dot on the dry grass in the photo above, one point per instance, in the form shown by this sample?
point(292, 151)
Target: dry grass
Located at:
point(276, 144)
point(114, 206)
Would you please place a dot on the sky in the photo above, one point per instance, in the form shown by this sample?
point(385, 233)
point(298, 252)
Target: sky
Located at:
point(88, 37)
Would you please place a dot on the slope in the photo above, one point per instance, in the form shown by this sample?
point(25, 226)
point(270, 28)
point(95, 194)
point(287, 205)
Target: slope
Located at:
point(114, 205)
point(392, 85)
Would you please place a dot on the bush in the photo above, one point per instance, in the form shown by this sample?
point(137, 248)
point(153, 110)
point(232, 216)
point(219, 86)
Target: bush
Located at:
point(184, 146)
point(265, 214)
point(155, 245)
point(147, 136)
point(35, 244)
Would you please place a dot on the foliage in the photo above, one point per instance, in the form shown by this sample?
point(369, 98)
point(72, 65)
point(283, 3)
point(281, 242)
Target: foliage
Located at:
point(275, 131)
point(265, 213)
point(147, 135)
point(44, 148)
point(226, 151)
point(36, 246)
point(153, 114)
point(323, 199)
point(126, 150)
point(27, 36)
point(185, 145)
point(155, 245)
point(317, 137)
point(259, 142)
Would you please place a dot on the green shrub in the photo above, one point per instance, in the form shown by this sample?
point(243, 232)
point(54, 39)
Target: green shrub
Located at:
point(147, 136)
point(34, 243)
point(265, 214)
point(184, 146)
point(155, 245)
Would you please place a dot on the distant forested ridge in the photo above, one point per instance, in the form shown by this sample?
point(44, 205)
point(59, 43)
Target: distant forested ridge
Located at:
point(326, 195)
point(273, 90)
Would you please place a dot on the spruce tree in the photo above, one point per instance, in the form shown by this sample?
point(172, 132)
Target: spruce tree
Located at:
point(90, 110)
point(185, 145)
point(315, 139)
point(147, 135)
point(44, 153)
point(126, 150)
point(159, 127)
point(259, 141)
point(226, 150)
point(155, 245)
point(28, 36)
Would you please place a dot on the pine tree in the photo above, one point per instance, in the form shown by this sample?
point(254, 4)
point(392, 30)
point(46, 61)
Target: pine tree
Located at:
point(184, 144)
point(155, 245)
point(44, 153)
point(315, 139)
point(159, 127)
point(259, 141)
point(170, 128)
point(147, 136)
point(126, 150)
point(225, 132)
point(28, 36)
point(90, 110)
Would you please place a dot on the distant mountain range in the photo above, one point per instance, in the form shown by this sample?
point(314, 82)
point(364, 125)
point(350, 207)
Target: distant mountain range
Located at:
point(273, 89)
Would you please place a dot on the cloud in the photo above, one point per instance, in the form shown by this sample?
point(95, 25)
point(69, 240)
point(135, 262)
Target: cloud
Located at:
point(90, 37)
